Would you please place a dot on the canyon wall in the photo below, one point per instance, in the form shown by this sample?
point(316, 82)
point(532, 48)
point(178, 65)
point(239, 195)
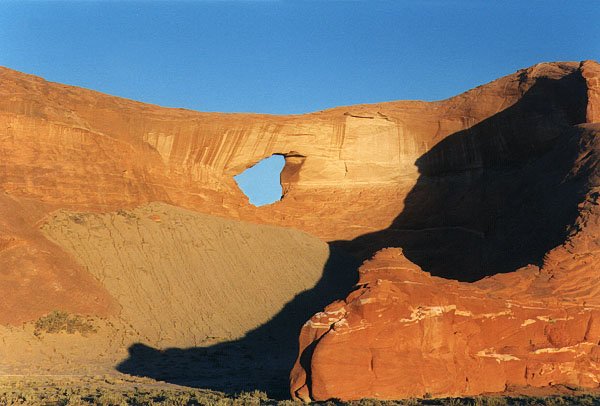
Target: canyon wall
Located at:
point(55, 138)
point(495, 190)
point(518, 220)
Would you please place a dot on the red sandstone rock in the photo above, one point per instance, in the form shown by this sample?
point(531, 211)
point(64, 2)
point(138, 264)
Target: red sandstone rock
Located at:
point(36, 275)
point(488, 181)
point(55, 138)
point(591, 73)
point(403, 333)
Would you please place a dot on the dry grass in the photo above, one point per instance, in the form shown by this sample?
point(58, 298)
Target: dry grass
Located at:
point(58, 321)
point(129, 391)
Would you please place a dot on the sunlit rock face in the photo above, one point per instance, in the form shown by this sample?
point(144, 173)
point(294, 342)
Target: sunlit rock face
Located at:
point(500, 180)
point(55, 138)
point(527, 207)
point(590, 70)
point(403, 333)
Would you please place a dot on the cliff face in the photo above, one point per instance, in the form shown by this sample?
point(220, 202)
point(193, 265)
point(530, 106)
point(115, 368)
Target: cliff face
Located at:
point(526, 206)
point(403, 333)
point(500, 179)
point(56, 138)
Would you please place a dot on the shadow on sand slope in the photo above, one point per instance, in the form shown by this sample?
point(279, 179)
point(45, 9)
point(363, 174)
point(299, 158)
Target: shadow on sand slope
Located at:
point(261, 359)
point(489, 199)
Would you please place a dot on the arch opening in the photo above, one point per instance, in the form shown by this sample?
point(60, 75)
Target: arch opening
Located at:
point(261, 183)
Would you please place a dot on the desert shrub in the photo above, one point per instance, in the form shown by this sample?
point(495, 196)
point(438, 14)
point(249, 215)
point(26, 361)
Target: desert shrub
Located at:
point(74, 400)
point(25, 397)
point(290, 403)
point(111, 399)
point(554, 401)
point(490, 401)
point(59, 321)
point(255, 397)
point(178, 399)
point(126, 214)
point(366, 402)
point(10, 398)
point(567, 400)
point(376, 402)
point(77, 218)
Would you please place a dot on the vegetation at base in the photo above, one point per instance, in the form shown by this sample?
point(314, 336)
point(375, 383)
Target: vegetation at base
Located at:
point(59, 321)
point(73, 396)
point(92, 395)
point(555, 400)
point(125, 390)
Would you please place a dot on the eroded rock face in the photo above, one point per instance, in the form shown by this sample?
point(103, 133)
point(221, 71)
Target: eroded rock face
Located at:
point(591, 72)
point(36, 275)
point(500, 179)
point(56, 137)
point(403, 333)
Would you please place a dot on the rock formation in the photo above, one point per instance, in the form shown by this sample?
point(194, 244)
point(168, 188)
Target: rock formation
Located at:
point(526, 202)
point(403, 333)
point(501, 180)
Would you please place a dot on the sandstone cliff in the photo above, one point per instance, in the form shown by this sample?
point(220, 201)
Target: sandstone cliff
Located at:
point(534, 216)
point(66, 147)
point(500, 179)
point(54, 136)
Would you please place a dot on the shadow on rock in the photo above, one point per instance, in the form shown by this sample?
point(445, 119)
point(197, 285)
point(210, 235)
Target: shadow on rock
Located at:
point(489, 199)
point(263, 358)
point(497, 196)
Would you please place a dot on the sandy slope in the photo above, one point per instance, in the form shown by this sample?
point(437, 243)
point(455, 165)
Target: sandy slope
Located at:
point(185, 278)
point(199, 297)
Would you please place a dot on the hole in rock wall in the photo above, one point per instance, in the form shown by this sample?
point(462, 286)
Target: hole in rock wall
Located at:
point(261, 182)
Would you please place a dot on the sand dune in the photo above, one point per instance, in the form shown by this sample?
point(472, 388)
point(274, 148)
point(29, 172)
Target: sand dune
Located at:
point(184, 278)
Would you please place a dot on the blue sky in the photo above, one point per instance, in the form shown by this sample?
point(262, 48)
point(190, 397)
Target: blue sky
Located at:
point(289, 56)
point(261, 182)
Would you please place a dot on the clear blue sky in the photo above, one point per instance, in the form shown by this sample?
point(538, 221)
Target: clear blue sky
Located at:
point(261, 182)
point(290, 56)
